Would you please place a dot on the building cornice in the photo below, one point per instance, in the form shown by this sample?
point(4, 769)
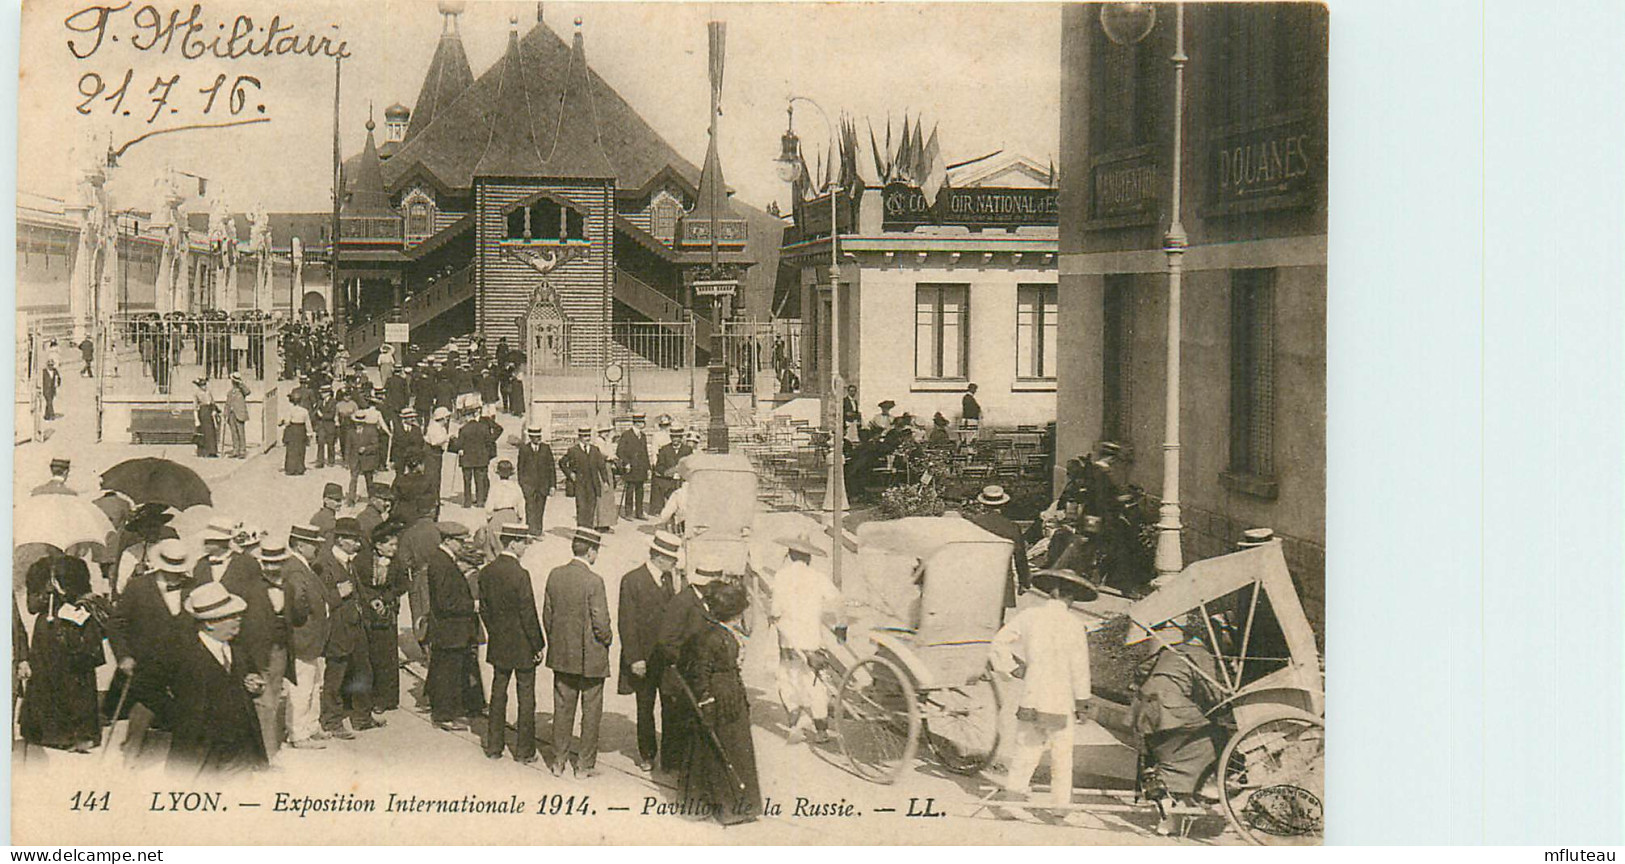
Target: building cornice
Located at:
point(1303, 251)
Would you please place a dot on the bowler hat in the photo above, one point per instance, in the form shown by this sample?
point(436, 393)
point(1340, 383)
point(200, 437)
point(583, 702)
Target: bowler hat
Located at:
point(347, 526)
point(211, 602)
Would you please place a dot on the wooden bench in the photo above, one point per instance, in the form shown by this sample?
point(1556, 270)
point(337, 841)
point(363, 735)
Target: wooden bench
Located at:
point(174, 425)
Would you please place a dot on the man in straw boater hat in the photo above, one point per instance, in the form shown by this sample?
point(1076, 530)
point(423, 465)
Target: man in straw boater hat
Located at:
point(645, 592)
point(575, 616)
point(408, 442)
point(145, 625)
point(683, 618)
point(306, 640)
point(273, 608)
point(514, 643)
point(804, 605)
point(1047, 648)
point(664, 480)
point(586, 474)
point(453, 634)
point(990, 516)
point(536, 475)
point(216, 728)
point(633, 452)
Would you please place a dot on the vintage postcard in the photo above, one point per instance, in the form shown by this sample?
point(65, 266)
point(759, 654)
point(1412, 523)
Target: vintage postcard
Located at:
point(748, 423)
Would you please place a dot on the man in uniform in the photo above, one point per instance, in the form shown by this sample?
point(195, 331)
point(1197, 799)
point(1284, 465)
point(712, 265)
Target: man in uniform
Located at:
point(514, 646)
point(575, 617)
point(58, 484)
point(586, 473)
point(645, 591)
point(633, 453)
point(380, 503)
point(327, 516)
point(535, 476)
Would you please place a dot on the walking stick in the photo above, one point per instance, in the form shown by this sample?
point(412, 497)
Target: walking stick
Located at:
point(710, 733)
point(107, 742)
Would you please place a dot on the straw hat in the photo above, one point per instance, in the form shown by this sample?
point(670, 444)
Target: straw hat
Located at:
point(993, 496)
point(212, 602)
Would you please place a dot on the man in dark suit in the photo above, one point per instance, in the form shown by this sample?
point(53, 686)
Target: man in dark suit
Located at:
point(347, 676)
point(991, 517)
point(680, 621)
point(586, 473)
point(408, 439)
point(535, 476)
point(147, 623)
point(476, 446)
point(514, 646)
point(664, 482)
point(325, 517)
point(273, 609)
point(307, 641)
point(632, 451)
point(575, 615)
point(380, 502)
point(211, 565)
point(384, 579)
point(453, 632)
point(645, 592)
point(217, 731)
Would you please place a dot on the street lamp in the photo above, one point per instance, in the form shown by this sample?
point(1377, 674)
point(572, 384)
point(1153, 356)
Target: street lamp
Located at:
point(1126, 24)
point(789, 167)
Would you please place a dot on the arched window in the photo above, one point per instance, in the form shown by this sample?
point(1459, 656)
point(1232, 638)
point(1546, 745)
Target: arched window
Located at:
point(419, 220)
point(666, 213)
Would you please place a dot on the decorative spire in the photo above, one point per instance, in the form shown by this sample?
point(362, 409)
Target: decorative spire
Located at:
point(450, 10)
point(449, 73)
point(511, 149)
point(367, 196)
point(578, 145)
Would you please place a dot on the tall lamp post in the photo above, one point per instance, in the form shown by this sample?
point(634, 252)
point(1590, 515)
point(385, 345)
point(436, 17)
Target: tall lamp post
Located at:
point(789, 167)
point(1126, 24)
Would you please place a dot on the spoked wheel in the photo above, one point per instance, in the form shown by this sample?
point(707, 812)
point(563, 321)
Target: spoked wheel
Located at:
point(962, 725)
point(1274, 781)
point(878, 719)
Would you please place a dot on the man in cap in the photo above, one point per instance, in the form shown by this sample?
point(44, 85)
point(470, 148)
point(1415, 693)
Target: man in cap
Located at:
point(453, 633)
point(408, 441)
point(535, 475)
point(586, 474)
point(237, 416)
point(475, 446)
point(217, 731)
point(990, 516)
point(514, 644)
point(384, 580)
point(327, 515)
point(307, 641)
point(682, 619)
point(147, 622)
point(804, 603)
point(380, 503)
point(664, 482)
point(575, 617)
point(347, 678)
point(273, 609)
point(645, 591)
point(58, 484)
point(217, 536)
point(1047, 648)
point(633, 452)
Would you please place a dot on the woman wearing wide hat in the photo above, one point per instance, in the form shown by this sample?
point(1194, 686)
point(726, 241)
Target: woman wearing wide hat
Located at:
point(721, 768)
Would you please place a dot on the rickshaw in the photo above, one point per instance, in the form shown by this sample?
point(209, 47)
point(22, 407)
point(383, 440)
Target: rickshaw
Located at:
point(928, 675)
point(721, 507)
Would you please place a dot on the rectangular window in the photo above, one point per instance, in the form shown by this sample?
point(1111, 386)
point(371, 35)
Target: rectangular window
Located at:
point(941, 331)
point(1116, 346)
point(1252, 373)
point(1036, 333)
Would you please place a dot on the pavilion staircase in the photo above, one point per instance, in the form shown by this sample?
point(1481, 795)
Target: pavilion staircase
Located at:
point(422, 307)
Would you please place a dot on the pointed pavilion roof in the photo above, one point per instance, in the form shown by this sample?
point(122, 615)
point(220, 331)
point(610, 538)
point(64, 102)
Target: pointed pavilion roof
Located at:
point(511, 148)
point(713, 188)
point(452, 146)
point(578, 146)
point(449, 75)
point(366, 195)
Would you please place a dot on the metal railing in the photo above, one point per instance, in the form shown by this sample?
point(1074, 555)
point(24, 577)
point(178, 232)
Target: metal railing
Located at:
point(150, 353)
point(421, 306)
point(655, 344)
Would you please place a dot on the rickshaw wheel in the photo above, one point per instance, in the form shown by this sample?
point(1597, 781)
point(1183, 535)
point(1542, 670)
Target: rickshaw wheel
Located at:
point(962, 725)
point(877, 717)
point(1273, 786)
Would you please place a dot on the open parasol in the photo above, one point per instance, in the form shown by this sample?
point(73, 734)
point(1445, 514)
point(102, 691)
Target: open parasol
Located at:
point(61, 522)
point(153, 480)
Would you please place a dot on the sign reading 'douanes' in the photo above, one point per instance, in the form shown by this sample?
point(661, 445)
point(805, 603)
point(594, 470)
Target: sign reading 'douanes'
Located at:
point(1267, 166)
point(975, 207)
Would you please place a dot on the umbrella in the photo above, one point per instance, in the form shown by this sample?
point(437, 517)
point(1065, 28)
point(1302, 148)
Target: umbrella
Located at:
point(150, 479)
point(60, 521)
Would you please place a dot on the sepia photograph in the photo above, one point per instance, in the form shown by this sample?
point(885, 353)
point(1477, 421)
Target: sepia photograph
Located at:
point(538, 423)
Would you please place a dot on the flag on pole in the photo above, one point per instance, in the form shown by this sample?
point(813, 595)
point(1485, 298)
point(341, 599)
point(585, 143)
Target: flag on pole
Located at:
point(881, 168)
point(902, 164)
point(935, 168)
point(916, 151)
point(718, 33)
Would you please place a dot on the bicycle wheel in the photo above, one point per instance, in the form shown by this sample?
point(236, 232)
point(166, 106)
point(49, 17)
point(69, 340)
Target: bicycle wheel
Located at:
point(961, 725)
point(1274, 784)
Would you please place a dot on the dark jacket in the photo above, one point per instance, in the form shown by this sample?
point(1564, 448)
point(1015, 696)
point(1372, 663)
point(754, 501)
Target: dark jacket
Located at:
point(575, 614)
point(535, 467)
point(475, 445)
point(386, 588)
point(969, 408)
point(455, 621)
point(343, 613)
point(216, 728)
point(508, 607)
point(683, 617)
point(408, 445)
point(264, 627)
point(310, 637)
point(641, 610)
point(633, 453)
point(998, 524)
point(585, 470)
point(141, 626)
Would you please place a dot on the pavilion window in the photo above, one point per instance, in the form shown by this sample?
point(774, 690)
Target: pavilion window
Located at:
point(941, 331)
point(1252, 373)
point(1037, 322)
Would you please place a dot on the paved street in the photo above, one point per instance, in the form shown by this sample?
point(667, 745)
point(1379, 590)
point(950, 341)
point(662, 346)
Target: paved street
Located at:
point(430, 763)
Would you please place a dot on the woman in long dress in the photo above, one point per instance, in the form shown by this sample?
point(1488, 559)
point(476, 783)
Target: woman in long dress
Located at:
point(724, 778)
point(60, 706)
point(208, 437)
point(609, 503)
point(295, 435)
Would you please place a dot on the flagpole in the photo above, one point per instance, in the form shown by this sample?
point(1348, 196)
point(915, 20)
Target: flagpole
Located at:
point(337, 288)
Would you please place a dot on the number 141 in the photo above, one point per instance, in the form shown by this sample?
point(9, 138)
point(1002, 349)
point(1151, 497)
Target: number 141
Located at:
point(91, 800)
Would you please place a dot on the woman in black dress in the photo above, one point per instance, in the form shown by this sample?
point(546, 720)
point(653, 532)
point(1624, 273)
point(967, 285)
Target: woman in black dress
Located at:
point(709, 663)
point(59, 707)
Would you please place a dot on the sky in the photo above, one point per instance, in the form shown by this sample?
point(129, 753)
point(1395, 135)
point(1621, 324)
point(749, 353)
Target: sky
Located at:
point(986, 74)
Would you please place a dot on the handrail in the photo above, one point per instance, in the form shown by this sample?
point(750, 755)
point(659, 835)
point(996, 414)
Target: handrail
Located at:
point(426, 305)
point(646, 298)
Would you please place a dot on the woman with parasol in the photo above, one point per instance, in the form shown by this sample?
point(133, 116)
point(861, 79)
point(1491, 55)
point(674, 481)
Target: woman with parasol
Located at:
point(721, 769)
